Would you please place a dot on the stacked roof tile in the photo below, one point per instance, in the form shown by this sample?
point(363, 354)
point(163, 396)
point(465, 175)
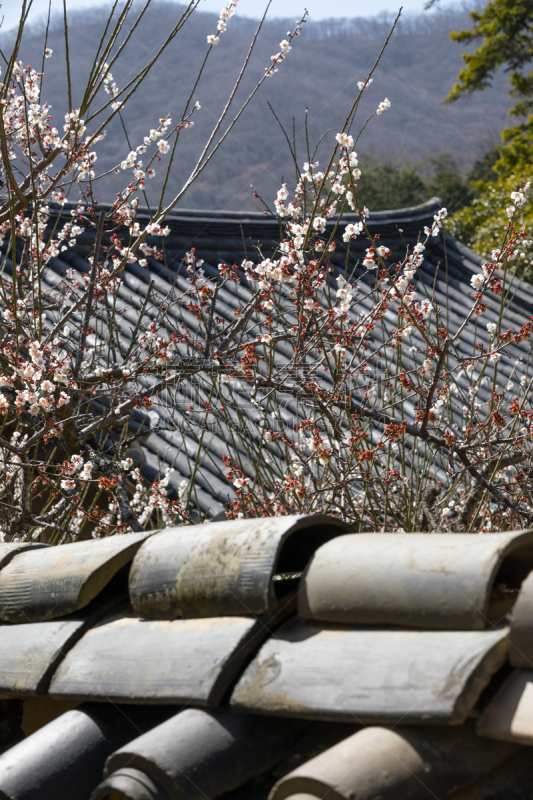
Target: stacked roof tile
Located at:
point(191, 664)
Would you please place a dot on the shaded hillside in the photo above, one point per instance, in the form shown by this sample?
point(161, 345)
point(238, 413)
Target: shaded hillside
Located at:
point(321, 73)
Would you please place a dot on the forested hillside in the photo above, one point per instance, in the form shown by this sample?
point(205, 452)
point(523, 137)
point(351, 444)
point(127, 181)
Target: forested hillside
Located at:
point(321, 73)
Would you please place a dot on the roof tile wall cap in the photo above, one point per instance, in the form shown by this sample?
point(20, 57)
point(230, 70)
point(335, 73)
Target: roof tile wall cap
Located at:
point(38, 586)
point(224, 568)
point(30, 654)
point(196, 754)
point(441, 581)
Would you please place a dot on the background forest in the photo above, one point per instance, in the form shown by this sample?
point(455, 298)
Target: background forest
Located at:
point(425, 148)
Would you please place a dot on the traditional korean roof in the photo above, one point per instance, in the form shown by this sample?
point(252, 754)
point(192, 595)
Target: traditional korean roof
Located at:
point(268, 659)
point(228, 237)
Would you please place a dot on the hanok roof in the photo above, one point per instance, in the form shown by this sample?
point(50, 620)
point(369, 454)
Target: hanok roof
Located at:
point(227, 237)
point(174, 666)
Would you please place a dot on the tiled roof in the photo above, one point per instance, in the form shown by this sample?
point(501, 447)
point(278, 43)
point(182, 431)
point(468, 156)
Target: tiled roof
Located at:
point(177, 665)
point(226, 237)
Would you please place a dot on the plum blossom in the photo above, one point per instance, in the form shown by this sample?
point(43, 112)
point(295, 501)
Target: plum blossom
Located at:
point(519, 198)
point(426, 308)
point(368, 261)
point(383, 106)
point(477, 281)
point(86, 472)
point(345, 140)
point(352, 231)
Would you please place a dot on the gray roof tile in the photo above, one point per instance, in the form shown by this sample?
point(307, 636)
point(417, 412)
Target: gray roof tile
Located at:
point(31, 652)
point(399, 764)
point(196, 754)
point(65, 759)
point(323, 671)
point(125, 659)
point(46, 584)
point(416, 580)
point(224, 568)
point(9, 550)
point(220, 237)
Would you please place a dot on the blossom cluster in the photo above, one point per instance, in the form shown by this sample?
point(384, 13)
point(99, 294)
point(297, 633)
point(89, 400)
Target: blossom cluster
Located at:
point(228, 10)
point(318, 374)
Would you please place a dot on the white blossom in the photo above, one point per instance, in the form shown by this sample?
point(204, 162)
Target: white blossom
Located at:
point(383, 106)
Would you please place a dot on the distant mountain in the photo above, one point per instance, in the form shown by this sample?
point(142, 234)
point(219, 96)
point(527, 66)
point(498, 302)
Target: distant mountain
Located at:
point(320, 73)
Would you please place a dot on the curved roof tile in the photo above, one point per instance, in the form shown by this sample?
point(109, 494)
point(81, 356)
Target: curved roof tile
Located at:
point(224, 568)
point(372, 675)
point(125, 659)
point(46, 584)
point(416, 580)
point(399, 764)
point(197, 755)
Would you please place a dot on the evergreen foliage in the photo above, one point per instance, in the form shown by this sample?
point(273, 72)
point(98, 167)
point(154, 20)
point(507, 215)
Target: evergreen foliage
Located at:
point(399, 183)
point(505, 28)
point(484, 222)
